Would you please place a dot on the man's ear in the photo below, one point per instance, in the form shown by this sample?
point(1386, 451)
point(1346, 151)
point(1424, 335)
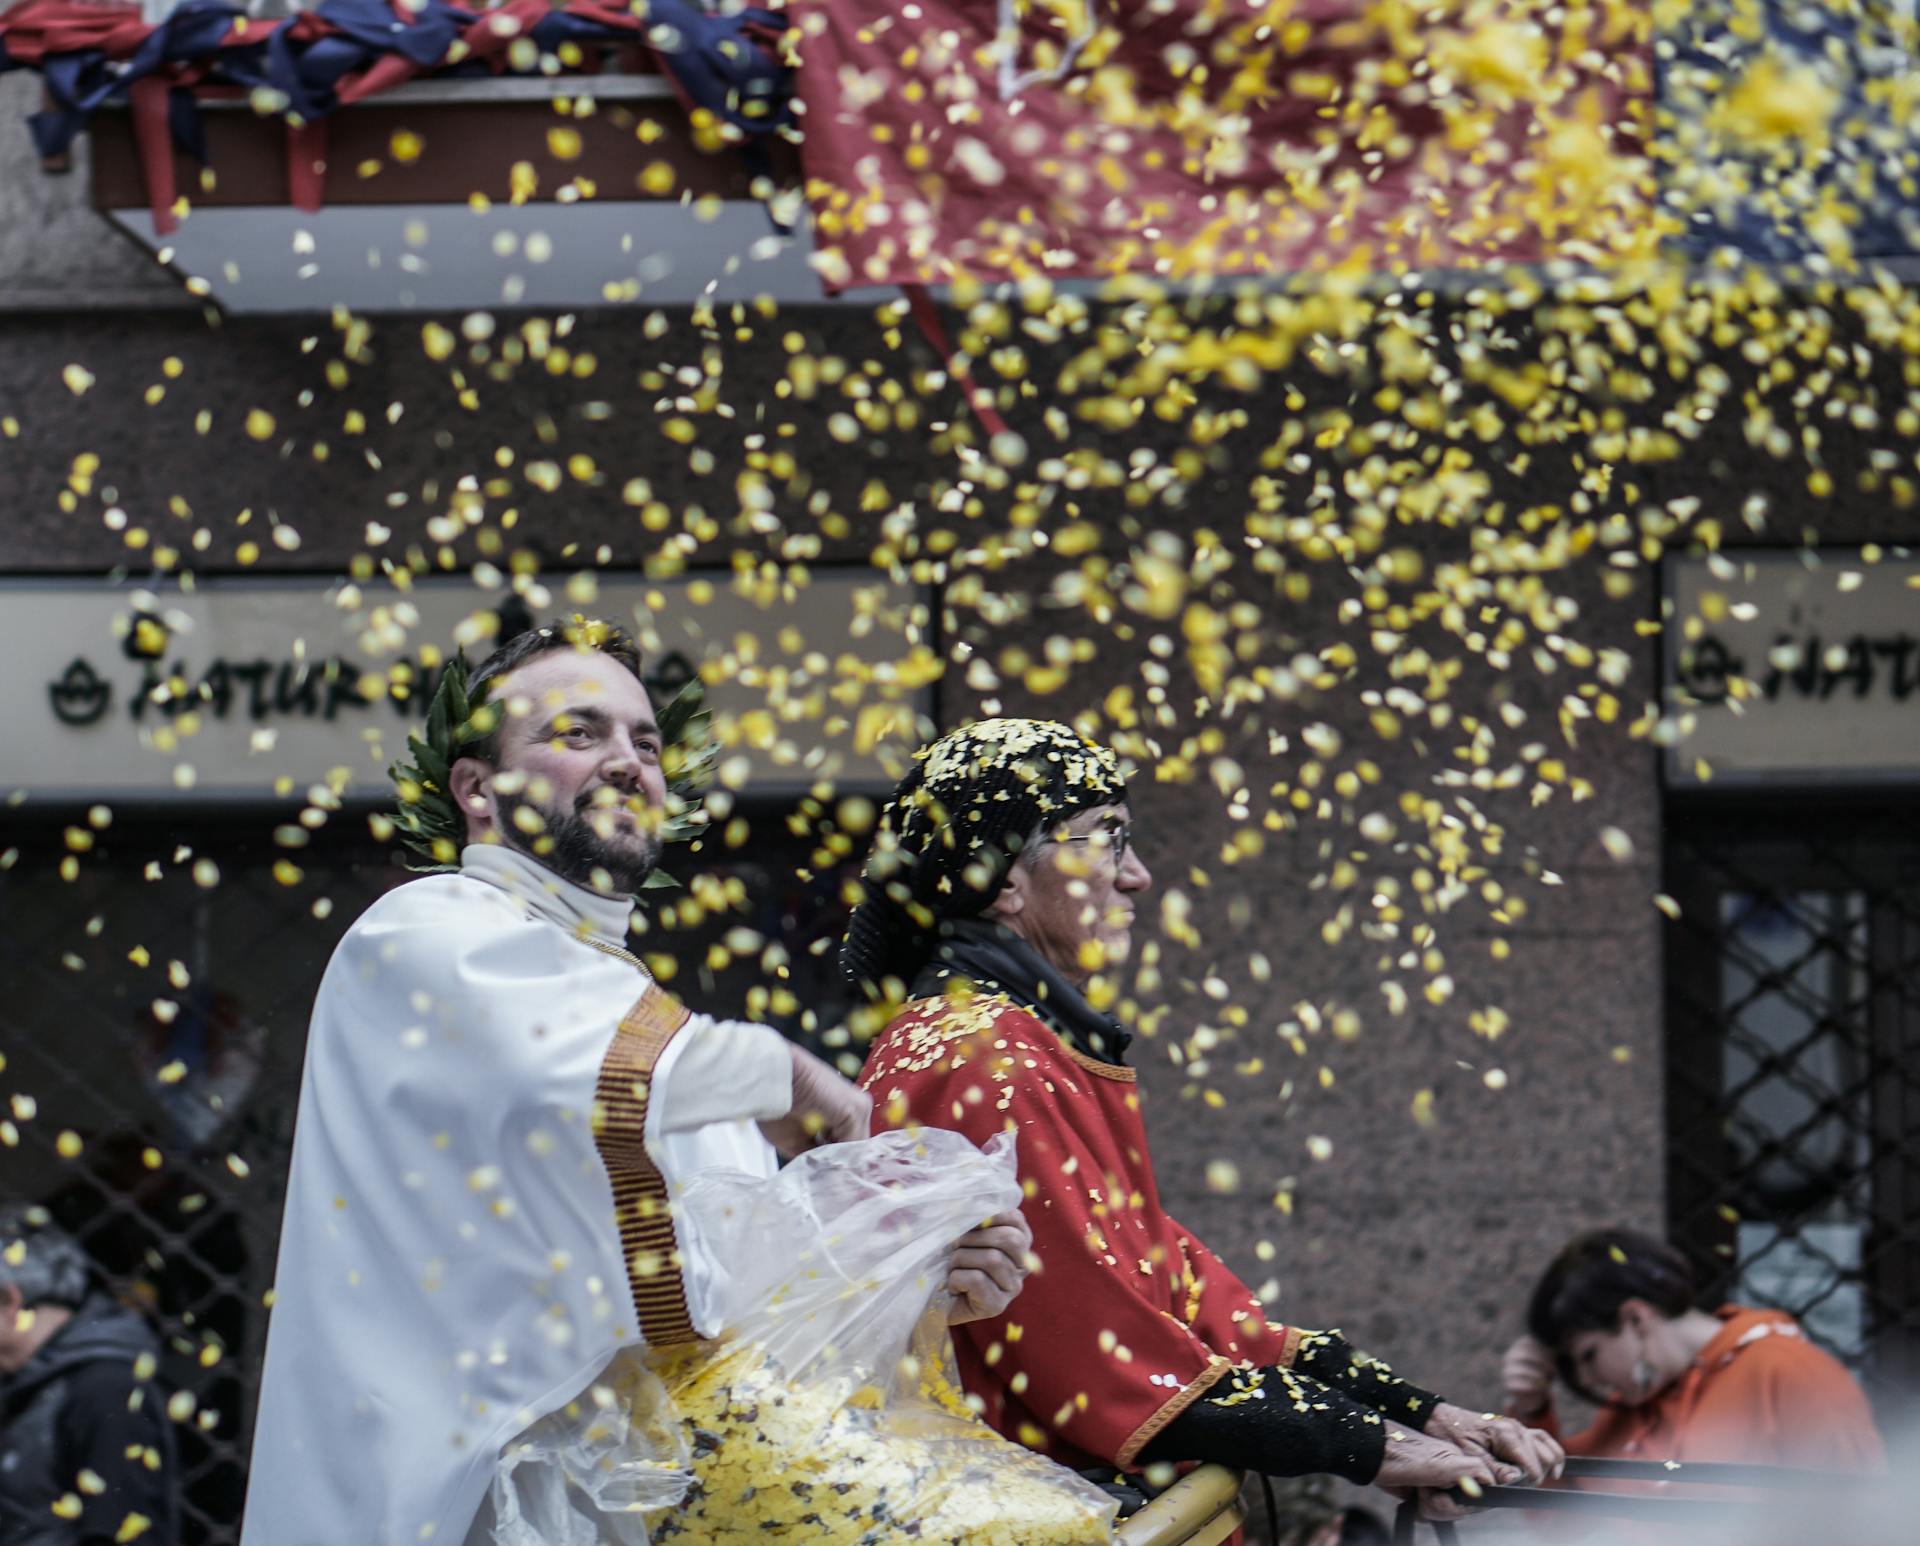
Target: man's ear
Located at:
point(1012, 898)
point(472, 792)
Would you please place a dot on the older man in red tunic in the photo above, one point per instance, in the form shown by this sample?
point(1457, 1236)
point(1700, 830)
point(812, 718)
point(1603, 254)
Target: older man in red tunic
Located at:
point(1004, 876)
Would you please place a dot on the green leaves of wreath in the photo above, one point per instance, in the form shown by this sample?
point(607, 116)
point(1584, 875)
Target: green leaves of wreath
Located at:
point(426, 821)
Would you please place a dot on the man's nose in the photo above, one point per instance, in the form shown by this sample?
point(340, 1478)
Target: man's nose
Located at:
point(621, 765)
point(1134, 874)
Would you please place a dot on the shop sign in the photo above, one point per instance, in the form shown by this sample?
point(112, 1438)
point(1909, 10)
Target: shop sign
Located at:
point(1792, 668)
point(252, 688)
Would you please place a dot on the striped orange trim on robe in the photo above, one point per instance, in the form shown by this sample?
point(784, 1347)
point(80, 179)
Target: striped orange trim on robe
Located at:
point(641, 1208)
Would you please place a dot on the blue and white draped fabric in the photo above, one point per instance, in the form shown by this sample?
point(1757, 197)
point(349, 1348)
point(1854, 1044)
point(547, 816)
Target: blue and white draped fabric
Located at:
point(1835, 184)
point(722, 63)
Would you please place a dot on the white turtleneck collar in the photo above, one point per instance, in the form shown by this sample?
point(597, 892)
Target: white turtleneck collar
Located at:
point(582, 913)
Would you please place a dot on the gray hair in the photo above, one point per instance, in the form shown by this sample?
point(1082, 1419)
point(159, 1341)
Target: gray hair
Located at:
point(40, 1259)
point(1027, 855)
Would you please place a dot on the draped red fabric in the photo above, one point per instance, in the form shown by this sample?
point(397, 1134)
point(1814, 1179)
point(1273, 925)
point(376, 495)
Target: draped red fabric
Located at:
point(1191, 139)
point(37, 28)
point(307, 166)
point(153, 140)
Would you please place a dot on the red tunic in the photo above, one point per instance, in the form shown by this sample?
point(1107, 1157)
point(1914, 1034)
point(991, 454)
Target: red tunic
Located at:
point(1129, 1318)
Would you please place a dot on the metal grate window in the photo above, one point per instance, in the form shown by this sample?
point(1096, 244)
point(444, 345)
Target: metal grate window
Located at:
point(152, 1028)
point(1793, 1035)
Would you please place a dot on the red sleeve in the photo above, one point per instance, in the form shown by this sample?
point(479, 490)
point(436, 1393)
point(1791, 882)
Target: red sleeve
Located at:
point(1082, 1353)
point(1224, 1312)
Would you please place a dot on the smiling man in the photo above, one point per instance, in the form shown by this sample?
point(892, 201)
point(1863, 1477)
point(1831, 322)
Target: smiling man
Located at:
point(498, 1107)
point(1004, 878)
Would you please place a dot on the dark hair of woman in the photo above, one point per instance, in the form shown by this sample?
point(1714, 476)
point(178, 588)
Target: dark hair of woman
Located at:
point(1593, 1276)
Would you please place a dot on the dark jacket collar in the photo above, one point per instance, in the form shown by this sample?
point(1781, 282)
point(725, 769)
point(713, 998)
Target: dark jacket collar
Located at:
point(994, 958)
point(99, 1328)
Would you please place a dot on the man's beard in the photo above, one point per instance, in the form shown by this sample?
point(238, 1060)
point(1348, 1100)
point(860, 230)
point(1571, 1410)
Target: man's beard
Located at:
point(577, 851)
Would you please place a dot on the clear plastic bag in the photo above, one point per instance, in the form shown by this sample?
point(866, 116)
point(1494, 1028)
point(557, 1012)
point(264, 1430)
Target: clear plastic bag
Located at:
point(597, 1471)
point(828, 1410)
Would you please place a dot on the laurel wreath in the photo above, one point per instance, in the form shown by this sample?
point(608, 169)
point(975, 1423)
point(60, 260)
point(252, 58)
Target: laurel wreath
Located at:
point(426, 821)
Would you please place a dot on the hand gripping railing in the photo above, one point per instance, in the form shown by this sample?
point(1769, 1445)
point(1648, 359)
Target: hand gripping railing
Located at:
point(1201, 1509)
point(1633, 1506)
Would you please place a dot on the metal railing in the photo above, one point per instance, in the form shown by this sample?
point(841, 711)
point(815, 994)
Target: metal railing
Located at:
point(1644, 1508)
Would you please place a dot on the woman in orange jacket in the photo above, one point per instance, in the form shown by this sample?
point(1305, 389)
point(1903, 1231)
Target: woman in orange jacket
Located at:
point(1616, 1315)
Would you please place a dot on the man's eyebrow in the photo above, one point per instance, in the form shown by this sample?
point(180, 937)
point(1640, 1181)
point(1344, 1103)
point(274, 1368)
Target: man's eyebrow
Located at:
point(585, 713)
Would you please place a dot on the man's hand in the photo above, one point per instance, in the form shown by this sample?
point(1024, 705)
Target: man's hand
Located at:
point(989, 1265)
point(1538, 1455)
point(1419, 1462)
point(1526, 1377)
point(826, 1108)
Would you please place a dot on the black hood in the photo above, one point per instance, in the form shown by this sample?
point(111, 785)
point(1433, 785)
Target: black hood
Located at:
point(101, 1329)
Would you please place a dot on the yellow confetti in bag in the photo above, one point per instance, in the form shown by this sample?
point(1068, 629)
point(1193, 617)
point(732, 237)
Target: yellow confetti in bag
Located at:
point(828, 1410)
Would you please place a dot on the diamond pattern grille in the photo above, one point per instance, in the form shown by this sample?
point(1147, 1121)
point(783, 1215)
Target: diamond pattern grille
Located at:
point(1793, 992)
point(184, 1116)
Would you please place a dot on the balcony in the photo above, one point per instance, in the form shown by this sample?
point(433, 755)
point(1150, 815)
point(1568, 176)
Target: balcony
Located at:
point(556, 173)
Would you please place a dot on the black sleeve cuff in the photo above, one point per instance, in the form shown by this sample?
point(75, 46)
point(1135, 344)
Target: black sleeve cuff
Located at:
point(1278, 1422)
point(1333, 1360)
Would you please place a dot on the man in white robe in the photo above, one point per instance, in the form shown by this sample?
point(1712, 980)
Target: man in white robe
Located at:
point(497, 1103)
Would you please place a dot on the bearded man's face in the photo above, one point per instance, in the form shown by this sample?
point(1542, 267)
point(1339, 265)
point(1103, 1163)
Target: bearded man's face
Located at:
point(579, 787)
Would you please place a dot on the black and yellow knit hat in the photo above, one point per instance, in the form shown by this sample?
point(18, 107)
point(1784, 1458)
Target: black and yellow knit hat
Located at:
point(946, 840)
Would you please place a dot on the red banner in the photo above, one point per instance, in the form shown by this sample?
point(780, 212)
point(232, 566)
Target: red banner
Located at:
point(1208, 138)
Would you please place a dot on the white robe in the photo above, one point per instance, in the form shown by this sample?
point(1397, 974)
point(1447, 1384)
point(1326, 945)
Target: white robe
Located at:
point(450, 1265)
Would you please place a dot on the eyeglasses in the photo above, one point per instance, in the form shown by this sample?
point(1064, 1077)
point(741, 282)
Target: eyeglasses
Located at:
point(1112, 837)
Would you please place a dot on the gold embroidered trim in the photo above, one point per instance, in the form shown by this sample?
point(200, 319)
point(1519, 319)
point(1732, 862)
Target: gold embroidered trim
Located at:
point(640, 1203)
point(1289, 1347)
point(1175, 1404)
